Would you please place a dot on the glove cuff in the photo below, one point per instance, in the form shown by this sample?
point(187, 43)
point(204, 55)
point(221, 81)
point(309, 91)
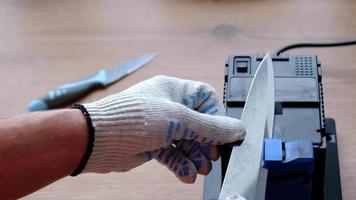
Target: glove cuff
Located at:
point(114, 119)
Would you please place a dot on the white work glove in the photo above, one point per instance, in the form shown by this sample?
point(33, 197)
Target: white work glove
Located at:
point(176, 121)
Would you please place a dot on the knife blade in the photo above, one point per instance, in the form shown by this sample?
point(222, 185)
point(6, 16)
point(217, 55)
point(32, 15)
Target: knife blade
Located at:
point(245, 178)
point(105, 77)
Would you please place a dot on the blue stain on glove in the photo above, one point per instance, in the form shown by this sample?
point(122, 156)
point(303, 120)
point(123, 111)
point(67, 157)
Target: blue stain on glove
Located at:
point(149, 155)
point(169, 131)
point(178, 127)
point(207, 108)
point(185, 171)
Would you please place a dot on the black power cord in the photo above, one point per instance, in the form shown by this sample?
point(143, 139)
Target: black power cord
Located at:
point(326, 44)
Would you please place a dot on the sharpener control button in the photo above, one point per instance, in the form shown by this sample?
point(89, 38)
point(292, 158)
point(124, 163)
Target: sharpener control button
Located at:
point(242, 66)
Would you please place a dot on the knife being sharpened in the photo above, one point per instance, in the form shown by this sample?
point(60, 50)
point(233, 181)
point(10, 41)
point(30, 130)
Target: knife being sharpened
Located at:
point(105, 77)
point(245, 177)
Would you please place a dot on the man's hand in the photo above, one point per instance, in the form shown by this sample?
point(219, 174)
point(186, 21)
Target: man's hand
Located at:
point(178, 122)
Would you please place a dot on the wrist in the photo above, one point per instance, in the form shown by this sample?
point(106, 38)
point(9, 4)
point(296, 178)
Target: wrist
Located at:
point(89, 138)
point(114, 120)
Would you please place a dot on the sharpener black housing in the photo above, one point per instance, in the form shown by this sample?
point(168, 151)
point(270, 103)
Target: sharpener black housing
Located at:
point(299, 116)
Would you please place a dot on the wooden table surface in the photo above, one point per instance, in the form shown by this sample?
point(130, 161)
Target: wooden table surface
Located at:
point(47, 43)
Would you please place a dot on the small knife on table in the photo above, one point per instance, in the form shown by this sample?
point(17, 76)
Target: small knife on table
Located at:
point(105, 77)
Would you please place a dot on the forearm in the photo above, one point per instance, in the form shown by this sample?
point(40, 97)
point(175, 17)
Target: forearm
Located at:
point(37, 149)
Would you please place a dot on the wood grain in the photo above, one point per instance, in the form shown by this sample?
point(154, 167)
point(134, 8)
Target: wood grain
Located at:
point(47, 43)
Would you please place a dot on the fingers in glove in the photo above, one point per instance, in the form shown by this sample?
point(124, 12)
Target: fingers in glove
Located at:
point(193, 94)
point(204, 128)
point(193, 151)
point(178, 163)
point(204, 99)
point(210, 151)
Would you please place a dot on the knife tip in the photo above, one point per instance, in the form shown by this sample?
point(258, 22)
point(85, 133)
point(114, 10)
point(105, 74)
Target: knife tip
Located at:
point(153, 54)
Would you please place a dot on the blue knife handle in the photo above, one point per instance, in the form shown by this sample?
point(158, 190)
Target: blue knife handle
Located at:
point(66, 93)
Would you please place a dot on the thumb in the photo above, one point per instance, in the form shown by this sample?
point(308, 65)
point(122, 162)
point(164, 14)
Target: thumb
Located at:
point(212, 129)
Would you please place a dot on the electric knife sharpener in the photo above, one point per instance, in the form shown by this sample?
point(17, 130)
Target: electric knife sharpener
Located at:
point(301, 157)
